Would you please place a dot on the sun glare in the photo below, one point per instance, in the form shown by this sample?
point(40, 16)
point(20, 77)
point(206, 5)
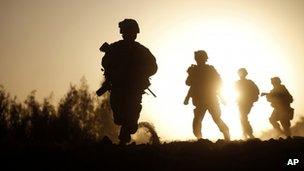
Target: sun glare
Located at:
point(230, 46)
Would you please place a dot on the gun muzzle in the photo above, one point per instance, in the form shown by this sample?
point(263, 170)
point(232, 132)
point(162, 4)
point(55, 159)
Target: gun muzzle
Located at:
point(104, 47)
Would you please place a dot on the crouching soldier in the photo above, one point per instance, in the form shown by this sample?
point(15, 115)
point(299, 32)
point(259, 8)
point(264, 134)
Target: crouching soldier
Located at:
point(280, 100)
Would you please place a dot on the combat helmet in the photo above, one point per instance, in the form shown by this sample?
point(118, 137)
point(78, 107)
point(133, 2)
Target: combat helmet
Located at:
point(128, 26)
point(276, 80)
point(200, 54)
point(242, 72)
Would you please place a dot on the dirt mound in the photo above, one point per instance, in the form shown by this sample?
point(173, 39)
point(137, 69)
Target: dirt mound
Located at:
point(200, 155)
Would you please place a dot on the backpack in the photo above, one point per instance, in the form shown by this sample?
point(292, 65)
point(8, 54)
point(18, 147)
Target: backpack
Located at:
point(288, 96)
point(254, 91)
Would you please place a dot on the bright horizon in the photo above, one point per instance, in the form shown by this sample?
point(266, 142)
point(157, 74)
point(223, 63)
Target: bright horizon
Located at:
point(48, 45)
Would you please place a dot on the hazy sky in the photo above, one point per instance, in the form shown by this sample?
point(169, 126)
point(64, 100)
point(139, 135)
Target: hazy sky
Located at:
point(46, 45)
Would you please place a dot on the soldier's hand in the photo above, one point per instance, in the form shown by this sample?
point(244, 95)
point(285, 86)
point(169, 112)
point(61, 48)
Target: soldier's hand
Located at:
point(99, 92)
point(186, 102)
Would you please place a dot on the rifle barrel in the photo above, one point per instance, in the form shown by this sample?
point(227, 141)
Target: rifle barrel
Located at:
point(151, 92)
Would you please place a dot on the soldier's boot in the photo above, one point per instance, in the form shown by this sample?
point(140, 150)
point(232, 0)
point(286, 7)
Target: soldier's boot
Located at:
point(287, 132)
point(286, 127)
point(124, 136)
point(224, 129)
point(197, 124)
point(222, 126)
point(247, 129)
point(251, 136)
point(248, 135)
point(226, 135)
point(245, 135)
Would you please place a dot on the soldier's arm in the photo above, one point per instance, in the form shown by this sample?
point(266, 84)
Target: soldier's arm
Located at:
point(189, 80)
point(106, 59)
point(151, 64)
point(187, 98)
point(269, 96)
point(146, 61)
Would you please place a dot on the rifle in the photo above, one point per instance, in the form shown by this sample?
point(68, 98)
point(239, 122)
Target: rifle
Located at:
point(187, 98)
point(104, 47)
point(264, 94)
point(104, 88)
point(152, 92)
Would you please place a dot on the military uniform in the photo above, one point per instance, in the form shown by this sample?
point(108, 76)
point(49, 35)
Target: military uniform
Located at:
point(128, 66)
point(280, 100)
point(204, 82)
point(248, 94)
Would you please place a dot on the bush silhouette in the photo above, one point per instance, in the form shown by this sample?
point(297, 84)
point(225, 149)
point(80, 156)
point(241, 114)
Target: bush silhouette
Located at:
point(78, 117)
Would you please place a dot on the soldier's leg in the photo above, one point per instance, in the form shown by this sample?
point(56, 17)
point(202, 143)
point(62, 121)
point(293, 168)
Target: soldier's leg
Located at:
point(243, 118)
point(215, 111)
point(286, 126)
point(244, 124)
point(134, 108)
point(274, 121)
point(124, 135)
point(199, 113)
point(117, 105)
point(244, 111)
point(133, 116)
point(131, 111)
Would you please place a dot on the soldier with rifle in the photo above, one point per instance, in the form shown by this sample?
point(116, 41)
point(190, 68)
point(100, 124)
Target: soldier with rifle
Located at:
point(280, 100)
point(127, 67)
point(204, 82)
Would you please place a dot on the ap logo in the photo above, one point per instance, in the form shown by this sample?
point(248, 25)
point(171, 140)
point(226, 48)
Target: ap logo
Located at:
point(292, 162)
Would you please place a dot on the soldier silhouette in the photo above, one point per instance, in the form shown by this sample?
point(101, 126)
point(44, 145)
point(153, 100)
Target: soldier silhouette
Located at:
point(248, 94)
point(127, 67)
point(280, 100)
point(204, 82)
